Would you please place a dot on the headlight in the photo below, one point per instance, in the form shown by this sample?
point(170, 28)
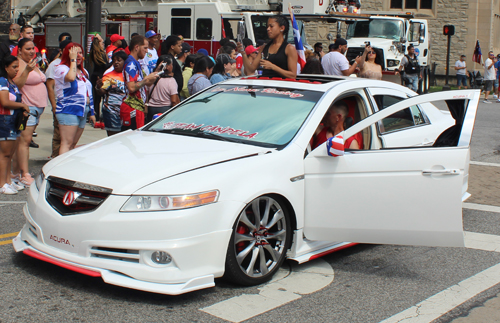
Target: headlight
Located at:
point(39, 180)
point(141, 203)
point(392, 62)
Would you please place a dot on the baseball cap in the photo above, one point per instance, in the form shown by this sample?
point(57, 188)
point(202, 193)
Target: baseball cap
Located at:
point(150, 33)
point(340, 42)
point(186, 48)
point(116, 37)
point(250, 49)
point(202, 51)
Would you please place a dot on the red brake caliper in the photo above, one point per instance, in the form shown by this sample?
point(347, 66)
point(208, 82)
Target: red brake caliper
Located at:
point(242, 229)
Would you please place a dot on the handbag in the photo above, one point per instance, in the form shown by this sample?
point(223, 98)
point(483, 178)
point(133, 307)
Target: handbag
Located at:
point(20, 121)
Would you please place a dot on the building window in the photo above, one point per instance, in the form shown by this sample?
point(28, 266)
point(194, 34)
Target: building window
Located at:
point(411, 4)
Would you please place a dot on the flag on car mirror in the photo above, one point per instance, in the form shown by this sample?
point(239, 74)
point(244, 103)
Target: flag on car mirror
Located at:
point(298, 41)
point(335, 145)
point(476, 57)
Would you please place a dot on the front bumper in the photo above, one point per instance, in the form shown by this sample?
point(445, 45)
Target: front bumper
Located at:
point(119, 247)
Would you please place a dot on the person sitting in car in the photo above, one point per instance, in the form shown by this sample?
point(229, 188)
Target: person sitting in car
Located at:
point(334, 124)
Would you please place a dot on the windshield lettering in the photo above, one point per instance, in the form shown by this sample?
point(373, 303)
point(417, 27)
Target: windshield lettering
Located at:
point(267, 90)
point(209, 128)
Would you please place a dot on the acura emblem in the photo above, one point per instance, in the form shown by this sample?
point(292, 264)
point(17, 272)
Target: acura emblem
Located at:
point(70, 197)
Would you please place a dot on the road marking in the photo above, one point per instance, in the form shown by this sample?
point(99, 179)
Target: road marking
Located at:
point(481, 207)
point(484, 164)
point(446, 300)
point(303, 279)
point(5, 242)
point(8, 235)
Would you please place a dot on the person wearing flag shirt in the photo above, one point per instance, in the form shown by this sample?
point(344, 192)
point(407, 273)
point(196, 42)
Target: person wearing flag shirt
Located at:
point(116, 41)
point(133, 107)
point(74, 96)
point(279, 57)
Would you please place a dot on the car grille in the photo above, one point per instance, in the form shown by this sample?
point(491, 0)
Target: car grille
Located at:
point(87, 197)
point(115, 254)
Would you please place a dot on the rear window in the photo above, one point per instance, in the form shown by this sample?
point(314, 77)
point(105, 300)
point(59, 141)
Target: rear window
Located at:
point(265, 116)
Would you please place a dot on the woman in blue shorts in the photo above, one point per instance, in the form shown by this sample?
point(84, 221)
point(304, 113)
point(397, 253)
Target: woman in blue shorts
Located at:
point(10, 107)
point(74, 96)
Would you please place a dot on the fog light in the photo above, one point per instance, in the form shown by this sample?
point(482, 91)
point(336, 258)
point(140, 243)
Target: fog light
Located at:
point(161, 257)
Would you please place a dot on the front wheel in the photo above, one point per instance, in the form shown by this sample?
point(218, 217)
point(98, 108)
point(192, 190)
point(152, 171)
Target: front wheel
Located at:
point(261, 236)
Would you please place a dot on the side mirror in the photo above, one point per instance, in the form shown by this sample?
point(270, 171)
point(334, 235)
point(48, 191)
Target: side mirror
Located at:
point(335, 145)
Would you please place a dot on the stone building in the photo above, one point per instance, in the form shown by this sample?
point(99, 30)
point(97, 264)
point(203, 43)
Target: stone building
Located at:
point(473, 20)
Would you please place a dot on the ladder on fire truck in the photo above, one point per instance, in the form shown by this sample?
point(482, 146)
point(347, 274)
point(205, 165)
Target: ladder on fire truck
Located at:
point(36, 9)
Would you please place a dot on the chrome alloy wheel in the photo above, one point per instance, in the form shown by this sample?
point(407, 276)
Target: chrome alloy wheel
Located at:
point(261, 237)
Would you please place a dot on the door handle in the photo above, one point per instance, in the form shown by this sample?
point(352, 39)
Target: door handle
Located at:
point(441, 172)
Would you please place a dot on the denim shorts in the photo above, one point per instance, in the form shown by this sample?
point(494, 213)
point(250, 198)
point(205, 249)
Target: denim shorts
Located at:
point(7, 128)
point(32, 120)
point(461, 80)
point(111, 120)
point(66, 119)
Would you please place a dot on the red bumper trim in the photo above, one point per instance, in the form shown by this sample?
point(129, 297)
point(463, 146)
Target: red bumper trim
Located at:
point(80, 270)
point(324, 253)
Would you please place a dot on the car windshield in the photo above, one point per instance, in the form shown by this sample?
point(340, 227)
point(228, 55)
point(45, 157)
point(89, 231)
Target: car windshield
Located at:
point(377, 28)
point(259, 115)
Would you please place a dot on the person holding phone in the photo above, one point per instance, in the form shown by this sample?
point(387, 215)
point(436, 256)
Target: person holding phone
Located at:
point(163, 94)
point(31, 82)
point(279, 58)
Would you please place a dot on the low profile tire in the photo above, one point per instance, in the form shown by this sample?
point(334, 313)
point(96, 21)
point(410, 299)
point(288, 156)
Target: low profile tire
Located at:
point(262, 234)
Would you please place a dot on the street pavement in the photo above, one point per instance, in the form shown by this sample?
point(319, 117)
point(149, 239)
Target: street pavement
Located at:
point(367, 283)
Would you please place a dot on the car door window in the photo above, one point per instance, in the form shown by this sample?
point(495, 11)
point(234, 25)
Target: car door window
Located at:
point(401, 120)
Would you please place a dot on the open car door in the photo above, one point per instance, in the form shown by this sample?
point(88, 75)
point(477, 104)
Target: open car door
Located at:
point(404, 195)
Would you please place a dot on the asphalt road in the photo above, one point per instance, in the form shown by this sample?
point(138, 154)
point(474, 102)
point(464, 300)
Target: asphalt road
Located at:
point(370, 283)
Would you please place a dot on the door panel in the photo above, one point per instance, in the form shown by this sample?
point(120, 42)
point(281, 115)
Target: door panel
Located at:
point(396, 196)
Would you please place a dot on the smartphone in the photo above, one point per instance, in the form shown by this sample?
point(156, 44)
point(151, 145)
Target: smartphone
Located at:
point(241, 31)
point(39, 59)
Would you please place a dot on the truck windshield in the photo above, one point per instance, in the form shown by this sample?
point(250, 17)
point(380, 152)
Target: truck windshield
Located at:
point(259, 24)
point(377, 28)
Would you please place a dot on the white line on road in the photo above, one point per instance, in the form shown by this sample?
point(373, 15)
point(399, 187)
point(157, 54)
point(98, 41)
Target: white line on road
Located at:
point(303, 279)
point(12, 202)
point(481, 207)
point(443, 302)
point(484, 164)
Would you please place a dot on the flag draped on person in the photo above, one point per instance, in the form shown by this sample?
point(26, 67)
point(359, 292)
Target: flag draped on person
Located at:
point(297, 41)
point(476, 57)
point(223, 29)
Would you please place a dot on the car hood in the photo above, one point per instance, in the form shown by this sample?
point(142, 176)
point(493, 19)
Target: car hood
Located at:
point(129, 161)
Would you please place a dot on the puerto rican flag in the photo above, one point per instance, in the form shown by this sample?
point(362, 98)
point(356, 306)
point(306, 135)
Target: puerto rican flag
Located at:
point(223, 29)
point(335, 145)
point(298, 41)
point(476, 57)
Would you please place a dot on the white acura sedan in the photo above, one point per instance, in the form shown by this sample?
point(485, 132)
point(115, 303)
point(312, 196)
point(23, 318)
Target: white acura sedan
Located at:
point(226, 184)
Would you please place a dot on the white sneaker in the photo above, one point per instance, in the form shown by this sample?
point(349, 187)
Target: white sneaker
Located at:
point(17, 185)
point(486, 101)
point(8, 190)
point(495, 96)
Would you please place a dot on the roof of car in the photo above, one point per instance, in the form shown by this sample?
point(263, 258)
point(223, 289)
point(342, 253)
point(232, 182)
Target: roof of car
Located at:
point(314, 82)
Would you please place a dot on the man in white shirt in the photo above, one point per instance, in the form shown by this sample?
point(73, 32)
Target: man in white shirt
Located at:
point(489, 75)
point(462, 74)
point(335, 62)
point(148, 63)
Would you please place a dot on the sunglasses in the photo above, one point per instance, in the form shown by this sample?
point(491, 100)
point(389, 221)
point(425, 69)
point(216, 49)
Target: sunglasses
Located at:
point(372, 52)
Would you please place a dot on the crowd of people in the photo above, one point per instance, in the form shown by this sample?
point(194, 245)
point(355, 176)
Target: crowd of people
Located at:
point(132, 83)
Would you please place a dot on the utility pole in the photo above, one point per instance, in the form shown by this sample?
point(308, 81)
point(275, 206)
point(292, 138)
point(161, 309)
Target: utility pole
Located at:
point(448, 30)
point(93, 21)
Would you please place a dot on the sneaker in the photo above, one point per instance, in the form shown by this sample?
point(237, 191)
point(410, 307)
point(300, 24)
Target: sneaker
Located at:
point(27, 180)
point(18, 186)
point(35, 134)
point(8, 190)
point(495, 96)
point(486, 101)
point(34, 144)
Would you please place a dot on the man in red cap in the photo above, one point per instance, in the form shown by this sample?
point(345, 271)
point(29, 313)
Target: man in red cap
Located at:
point(116, 41)
point(252, 54)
